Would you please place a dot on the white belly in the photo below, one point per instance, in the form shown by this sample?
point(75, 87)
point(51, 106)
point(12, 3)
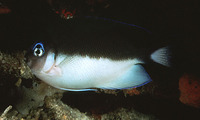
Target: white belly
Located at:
point(85, 72)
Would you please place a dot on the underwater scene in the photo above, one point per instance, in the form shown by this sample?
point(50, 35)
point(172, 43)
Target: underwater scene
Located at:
point(99, 60)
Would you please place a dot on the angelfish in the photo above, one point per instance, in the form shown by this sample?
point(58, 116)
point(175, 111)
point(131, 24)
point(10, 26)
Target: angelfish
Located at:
point(77, 66)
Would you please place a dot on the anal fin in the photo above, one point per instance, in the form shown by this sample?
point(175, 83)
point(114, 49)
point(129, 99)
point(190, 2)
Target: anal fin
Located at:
point(78, 90)
point(136, 76)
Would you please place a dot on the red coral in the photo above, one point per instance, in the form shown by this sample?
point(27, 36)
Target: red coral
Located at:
point(132, 92)
point(4, 10)
point(189, 86)
point(66, 14)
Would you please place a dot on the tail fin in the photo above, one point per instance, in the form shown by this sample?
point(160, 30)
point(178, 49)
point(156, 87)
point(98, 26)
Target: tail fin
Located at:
point(162, 56)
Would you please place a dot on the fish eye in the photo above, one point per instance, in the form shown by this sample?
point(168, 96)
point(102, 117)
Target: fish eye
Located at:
point(38, 50)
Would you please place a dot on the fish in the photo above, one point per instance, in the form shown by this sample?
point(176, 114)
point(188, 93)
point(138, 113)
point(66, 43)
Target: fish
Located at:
point(95, 53)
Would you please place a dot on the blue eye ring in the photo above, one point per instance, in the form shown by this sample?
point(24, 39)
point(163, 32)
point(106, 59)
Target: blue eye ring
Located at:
point(35, 48)
point(40, 45)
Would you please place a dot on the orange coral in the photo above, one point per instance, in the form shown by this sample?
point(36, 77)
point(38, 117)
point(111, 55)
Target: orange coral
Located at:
point(189, 86)
point(132, 92)
point(4, 10)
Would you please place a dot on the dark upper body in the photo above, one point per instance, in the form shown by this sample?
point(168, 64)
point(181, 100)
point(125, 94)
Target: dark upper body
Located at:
point(100, 38)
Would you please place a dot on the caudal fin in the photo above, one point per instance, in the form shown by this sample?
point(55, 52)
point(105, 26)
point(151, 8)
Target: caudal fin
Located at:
point(162, 56)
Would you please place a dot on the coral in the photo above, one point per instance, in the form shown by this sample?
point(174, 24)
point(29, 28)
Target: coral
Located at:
point(2, 117)
point(34, 97)
point(66, 14)
point(13, 71)
point(4, 9)
point(150, 88)
point(132, 91)
point(124, 114)
point(60, 111)
point(189, 86)
point(15, 64)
